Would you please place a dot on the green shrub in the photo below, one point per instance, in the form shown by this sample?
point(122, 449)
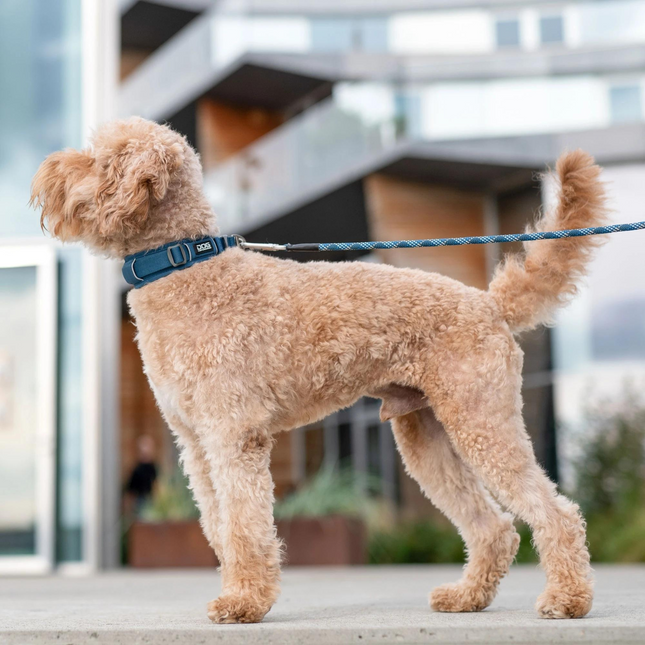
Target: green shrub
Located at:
point(526, 554)
point(617, 538)
point(330, 492)
point(421, 541)
point(343, 492)
point(609, 474)
point(610, 480)
point(430, 542)
point(171, 500)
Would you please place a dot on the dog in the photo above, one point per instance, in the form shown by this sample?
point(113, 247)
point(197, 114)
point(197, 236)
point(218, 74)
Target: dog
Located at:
point(243, 346)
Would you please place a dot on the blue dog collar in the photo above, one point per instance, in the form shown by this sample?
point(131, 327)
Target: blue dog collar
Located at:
point(142, 268)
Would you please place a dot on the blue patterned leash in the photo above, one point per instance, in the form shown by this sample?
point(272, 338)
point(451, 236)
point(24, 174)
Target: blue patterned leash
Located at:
point(444, 241)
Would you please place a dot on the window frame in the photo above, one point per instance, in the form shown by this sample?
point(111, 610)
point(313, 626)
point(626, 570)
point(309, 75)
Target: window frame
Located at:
point(43, 258)
point(558, 15)
point(501, 19)
point(624, 84)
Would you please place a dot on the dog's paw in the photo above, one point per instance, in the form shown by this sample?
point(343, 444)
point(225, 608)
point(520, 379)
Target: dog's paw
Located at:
point(457, 597)
point(235, 609)
point(559, 602)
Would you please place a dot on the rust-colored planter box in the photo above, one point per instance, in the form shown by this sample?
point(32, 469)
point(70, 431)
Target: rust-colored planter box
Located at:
point(169, 544)
point(333, 540)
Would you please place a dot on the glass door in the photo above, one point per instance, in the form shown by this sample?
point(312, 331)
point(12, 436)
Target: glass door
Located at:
point(27, 407)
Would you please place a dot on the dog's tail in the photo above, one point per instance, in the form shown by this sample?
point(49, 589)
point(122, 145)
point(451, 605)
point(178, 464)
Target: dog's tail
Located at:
point(529, 286)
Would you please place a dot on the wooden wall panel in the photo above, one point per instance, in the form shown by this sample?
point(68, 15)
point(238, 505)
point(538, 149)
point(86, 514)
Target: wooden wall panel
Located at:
point(516, 210)
point(130, 60)
point(400, 209)
point(223, 130)
point(139, 412)
point(281, 465)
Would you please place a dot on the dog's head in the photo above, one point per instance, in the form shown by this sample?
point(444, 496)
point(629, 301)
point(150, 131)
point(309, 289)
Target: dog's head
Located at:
point(138, 185)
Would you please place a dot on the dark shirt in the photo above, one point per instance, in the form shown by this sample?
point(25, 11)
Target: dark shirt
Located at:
point(142, 480)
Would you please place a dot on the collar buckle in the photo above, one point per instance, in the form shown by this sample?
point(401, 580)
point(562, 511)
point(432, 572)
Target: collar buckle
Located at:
point(171, 258)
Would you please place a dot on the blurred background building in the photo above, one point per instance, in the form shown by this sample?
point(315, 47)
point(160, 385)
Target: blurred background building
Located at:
point(59, 307)
point(316, 120)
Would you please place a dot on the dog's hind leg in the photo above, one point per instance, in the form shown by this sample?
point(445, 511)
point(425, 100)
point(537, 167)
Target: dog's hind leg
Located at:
point(251, 550)
point(491, 540)
point(480, 407)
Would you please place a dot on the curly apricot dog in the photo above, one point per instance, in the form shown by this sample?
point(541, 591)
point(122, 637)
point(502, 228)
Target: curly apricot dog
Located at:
point(243, 346)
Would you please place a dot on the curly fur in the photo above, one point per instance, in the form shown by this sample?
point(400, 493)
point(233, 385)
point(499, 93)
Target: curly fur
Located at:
point(124, 193)
point(243, 346)
point(530, 287)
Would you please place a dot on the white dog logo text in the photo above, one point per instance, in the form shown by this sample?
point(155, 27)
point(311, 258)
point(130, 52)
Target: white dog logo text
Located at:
point(203, 247)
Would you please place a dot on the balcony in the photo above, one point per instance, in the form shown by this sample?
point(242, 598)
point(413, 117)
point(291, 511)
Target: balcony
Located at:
point(275, 59)
point(214, 55)
point(477, 136)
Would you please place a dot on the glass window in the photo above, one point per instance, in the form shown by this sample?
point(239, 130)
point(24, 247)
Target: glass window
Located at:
point(40, 112)
point(18, 415)
point(599, 350)
point(507, 32)
point(625, 103)
point(332, 34)
point(40, 105)
point(551, 30)
point(408, 114)
point(372, 35)
point(349, 34)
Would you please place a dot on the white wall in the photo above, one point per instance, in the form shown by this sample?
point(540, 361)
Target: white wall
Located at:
point(611, 22)
point(619, 22)
point(234, 35)
point(441, 32)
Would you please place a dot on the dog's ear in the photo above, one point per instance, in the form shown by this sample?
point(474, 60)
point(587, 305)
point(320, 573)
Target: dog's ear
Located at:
point(132, 180)
point(64, 188)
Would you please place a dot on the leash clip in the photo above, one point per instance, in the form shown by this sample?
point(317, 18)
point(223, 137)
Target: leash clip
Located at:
point(253, 246)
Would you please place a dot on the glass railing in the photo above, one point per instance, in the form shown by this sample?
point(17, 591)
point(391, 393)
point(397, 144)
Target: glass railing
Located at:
point(358, 129)
point(311, 153)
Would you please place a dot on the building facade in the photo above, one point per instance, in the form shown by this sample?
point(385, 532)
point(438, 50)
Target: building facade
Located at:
point(327, 120)
point(55, 83)
point(316, 121)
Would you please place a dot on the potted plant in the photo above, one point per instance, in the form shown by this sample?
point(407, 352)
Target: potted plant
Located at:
point(168, 533)
point(323, 522)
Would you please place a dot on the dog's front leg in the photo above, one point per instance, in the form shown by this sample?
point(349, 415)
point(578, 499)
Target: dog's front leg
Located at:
point(196, 467)
point(251, 550)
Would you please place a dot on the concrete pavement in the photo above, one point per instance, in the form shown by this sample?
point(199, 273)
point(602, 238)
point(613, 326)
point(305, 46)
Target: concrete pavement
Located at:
point(318, 606)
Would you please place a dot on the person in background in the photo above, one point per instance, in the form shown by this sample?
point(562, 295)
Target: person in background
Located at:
point(144, 475)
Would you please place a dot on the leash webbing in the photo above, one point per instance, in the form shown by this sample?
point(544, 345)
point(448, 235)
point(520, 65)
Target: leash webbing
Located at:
point(144, 267)
point(445, 241)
